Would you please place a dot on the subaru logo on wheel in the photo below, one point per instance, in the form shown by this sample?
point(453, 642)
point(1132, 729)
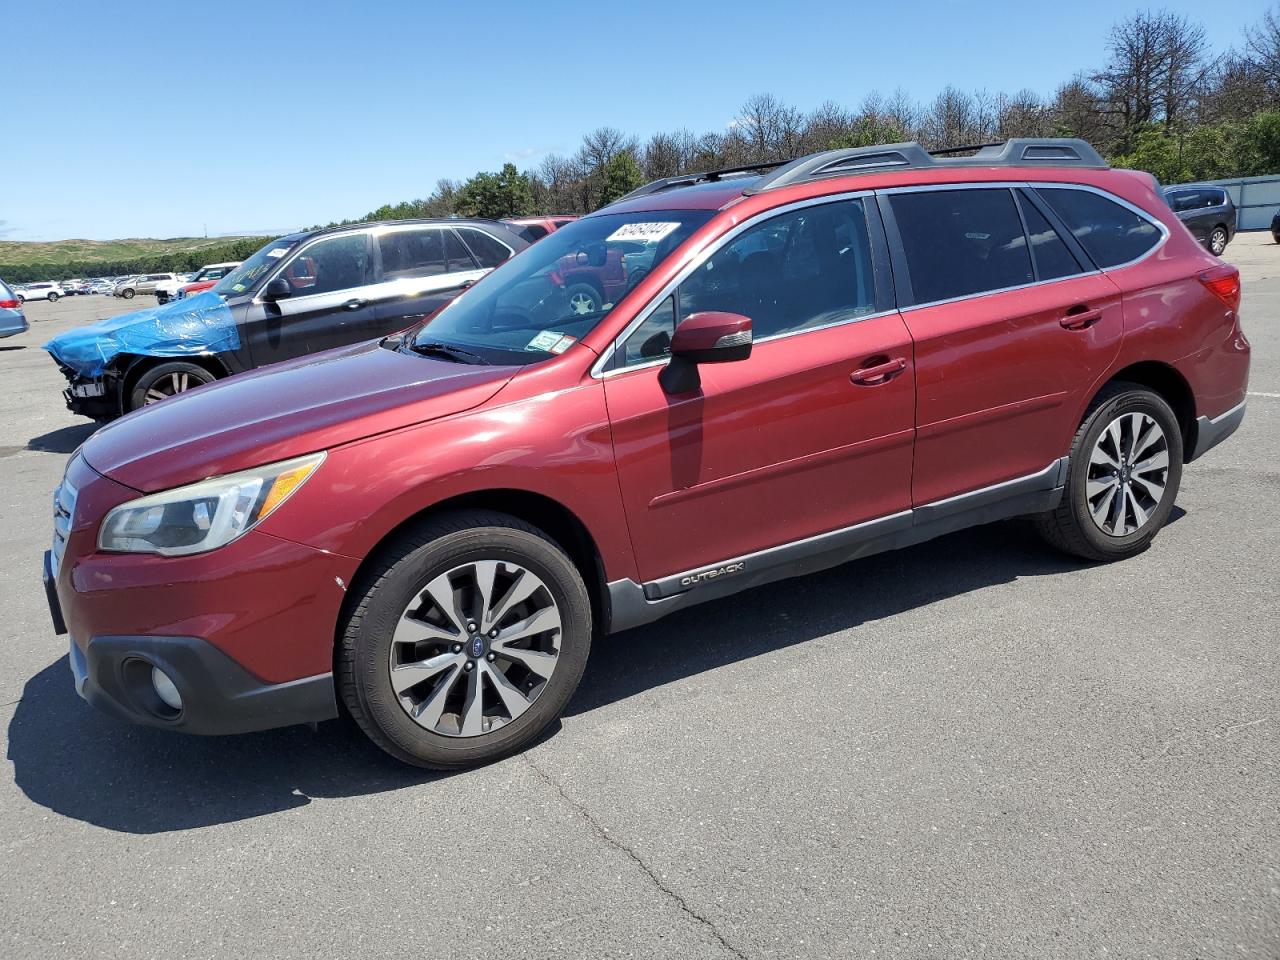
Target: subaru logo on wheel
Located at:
point(477, 647)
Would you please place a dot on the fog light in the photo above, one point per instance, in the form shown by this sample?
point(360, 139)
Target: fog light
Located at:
point(165, 689)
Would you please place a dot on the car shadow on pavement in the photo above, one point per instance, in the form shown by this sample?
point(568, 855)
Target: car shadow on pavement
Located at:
point(84, 765)
point(62, 440)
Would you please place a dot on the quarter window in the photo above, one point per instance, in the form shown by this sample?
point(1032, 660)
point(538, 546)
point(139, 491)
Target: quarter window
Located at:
point(961, 242)
point(793, 272)
point(1053, 258)
point(1110, 234)
point(412, 253)
point(487, 250)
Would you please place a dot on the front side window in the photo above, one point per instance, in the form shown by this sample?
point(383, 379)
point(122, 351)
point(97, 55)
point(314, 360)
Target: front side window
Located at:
point(412, 253)
point(332, 264)
point(1110, 233)
point(961, 242)
point(522, 312)
point(804, 269)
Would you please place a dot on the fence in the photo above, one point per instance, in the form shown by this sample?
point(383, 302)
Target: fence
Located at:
point(1257, 200)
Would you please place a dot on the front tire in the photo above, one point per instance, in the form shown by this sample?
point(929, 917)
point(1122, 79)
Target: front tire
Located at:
point(167, 380)
point(465, 641)
point(1218, 241)
point(1125, 468)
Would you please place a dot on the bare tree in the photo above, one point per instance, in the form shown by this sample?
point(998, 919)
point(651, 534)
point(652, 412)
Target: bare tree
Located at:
point(1262, 47)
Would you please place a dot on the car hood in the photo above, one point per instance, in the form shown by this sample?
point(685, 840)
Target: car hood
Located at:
point(285, 410)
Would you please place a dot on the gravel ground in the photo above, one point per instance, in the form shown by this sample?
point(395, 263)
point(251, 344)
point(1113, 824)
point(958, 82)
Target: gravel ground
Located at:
point(974, 747)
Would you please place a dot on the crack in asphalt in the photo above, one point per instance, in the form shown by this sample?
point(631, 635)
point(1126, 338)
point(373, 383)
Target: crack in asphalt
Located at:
point(600, 831)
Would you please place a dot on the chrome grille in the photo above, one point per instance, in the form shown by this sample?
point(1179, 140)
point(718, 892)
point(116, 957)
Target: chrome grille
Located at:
point(64, 508)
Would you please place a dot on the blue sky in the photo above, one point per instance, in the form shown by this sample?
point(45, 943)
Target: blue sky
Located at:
point(167, 119)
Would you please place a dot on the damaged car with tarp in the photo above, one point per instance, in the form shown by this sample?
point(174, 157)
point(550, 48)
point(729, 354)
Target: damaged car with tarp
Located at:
point(297, 295)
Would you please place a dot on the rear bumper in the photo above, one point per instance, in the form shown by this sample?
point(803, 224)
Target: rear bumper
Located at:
point(11, 325)
point(1210, 433)
point(218, 695)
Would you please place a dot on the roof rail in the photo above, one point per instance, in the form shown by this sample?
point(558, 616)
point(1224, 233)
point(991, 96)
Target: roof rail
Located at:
point(688, 179)
point(1017, 152)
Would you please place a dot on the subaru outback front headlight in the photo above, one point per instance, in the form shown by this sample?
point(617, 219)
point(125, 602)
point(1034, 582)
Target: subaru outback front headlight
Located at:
point(206, 515)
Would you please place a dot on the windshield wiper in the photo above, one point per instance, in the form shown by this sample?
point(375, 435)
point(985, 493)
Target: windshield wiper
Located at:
point(435, 348)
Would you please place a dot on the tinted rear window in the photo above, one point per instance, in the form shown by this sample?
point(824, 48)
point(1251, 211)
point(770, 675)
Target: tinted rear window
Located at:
point(529, 231)
point(961, 242)
point(1110, 234)
point(1052, 256)
point(5, 292)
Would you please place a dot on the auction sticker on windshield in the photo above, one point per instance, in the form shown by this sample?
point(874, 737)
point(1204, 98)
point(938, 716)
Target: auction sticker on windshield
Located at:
point(551, 341)
point(644, 232)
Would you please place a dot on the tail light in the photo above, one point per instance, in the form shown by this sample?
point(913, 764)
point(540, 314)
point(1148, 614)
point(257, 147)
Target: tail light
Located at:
point(10, 304)
point(1224, 283)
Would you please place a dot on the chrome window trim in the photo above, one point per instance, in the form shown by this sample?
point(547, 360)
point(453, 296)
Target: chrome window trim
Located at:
point(365, 231)
point(598, 371)
point(597, 368)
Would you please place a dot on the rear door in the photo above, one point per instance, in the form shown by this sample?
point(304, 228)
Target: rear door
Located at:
point(1005, 342)
point(422, 267)
point(795, 440)
point(330, 304)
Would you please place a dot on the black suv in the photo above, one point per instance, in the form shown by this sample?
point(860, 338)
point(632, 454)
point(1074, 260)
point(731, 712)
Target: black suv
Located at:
point(299, 294)
point(1208, 212)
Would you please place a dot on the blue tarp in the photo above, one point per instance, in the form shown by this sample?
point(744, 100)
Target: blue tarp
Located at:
point(199, 324)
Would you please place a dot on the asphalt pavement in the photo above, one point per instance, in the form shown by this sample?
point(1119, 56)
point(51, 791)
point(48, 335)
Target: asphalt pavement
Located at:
point(974, 747)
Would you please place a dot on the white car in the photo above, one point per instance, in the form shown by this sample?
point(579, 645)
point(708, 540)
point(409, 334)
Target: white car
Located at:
point(172, 289)
point(39, 291)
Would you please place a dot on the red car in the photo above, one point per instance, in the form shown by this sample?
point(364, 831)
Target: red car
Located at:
point(856, 351)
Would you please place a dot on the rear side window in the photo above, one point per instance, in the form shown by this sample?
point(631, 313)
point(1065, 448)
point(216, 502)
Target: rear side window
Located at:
point(487, 251)
point(1053, 258)
point(411, 253)
point(5, 292)
point(961, 242)
point(456, 254)
point(1110, 234)
point(529, 231)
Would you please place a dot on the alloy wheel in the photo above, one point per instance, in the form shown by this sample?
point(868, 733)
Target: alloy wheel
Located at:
point(581, 304)
point(475, 648)
point(169, 386)
point(1128, 474)
point(1218, 241)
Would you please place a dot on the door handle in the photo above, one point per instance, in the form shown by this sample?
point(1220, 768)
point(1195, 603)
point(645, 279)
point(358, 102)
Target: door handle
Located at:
point(878, 373)
point(1080, 318)
point(355, 304)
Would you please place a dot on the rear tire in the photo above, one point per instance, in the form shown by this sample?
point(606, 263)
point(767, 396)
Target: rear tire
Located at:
point(167, 380)
point(1111, 512)
point(1218, 241)
point(127, 293)
point(396, 622)
point(53, 298)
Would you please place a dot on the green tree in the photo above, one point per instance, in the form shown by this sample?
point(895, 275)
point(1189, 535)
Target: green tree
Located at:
point(494, 195)
point(619, 176)
point(1260, 144)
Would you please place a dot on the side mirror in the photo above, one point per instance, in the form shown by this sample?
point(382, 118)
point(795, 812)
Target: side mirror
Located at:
point(277, 289)
point(710, 337)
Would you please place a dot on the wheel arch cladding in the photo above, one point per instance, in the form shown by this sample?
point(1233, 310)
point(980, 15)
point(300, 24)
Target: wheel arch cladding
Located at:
point(550, 516)
point(181, 329)
point(1170, 385)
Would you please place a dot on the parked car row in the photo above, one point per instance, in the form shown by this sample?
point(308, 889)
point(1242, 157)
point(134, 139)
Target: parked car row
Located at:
point(458, 478)
point(296, 295)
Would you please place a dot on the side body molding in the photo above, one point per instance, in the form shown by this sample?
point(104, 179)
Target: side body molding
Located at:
point(633, 604)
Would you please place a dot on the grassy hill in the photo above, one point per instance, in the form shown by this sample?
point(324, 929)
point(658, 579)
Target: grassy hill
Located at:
point(60, 259)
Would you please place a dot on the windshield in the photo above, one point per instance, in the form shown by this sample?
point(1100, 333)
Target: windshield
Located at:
point(540, 302)
point(241, 280)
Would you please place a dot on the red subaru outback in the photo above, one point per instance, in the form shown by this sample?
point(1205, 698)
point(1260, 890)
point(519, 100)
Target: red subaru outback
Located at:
point(855, 351)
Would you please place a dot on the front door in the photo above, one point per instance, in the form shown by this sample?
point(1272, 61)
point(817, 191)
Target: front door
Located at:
point(329, 303)
point(795, 440)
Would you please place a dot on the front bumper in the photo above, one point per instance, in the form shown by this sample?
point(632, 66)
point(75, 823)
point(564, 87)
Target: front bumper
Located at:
point(218, 696)
point(245, 632)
